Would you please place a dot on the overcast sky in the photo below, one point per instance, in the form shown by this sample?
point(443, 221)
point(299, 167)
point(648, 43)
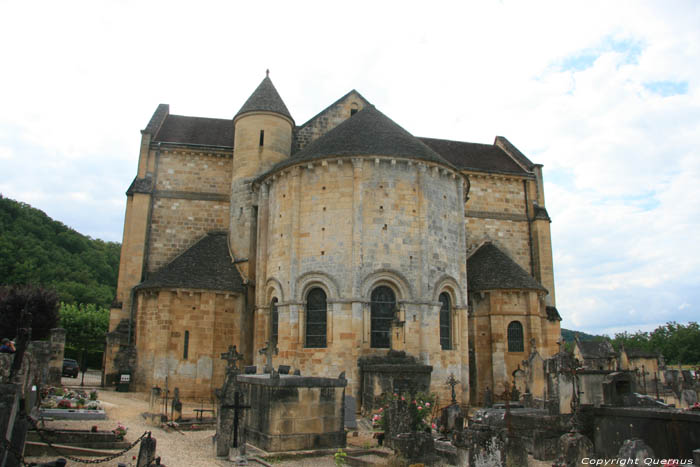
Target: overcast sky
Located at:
point(604, 94)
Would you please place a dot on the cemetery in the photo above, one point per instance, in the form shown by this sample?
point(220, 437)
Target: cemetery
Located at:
point(278, 415)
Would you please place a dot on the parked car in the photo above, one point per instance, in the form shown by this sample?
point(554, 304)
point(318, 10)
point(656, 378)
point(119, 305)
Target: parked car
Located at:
point(70, 367)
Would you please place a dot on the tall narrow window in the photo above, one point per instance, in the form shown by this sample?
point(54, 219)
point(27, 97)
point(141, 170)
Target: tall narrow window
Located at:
point(383, 304)
point(262, 137)
point(274, 321)
point(316, 318)
point(187, 345)
point(445, 321)
point(515, 337)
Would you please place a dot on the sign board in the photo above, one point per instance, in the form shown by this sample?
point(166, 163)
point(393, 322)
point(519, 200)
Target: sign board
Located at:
point(125, 378)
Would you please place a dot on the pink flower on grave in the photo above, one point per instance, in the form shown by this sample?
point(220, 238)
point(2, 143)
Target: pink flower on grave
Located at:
point(381, 408)
point(420, 407)
point(403, 398)
point(433, 426)
point(427, 404)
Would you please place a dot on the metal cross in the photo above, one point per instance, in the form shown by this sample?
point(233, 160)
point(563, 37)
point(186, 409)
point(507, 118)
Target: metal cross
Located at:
point(452, 382)
point(232, 357)
point(268, 351)
point(237, 407)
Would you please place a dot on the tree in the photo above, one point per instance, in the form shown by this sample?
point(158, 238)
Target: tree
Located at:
point(86, 326)
point(40, 302)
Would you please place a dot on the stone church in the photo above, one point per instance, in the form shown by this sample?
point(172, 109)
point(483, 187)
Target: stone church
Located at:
point(340, 238)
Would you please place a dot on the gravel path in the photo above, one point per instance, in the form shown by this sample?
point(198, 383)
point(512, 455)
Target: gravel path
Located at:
point(191, 449)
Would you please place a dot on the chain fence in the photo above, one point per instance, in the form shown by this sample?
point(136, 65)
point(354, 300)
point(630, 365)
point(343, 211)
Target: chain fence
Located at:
point(6, 446)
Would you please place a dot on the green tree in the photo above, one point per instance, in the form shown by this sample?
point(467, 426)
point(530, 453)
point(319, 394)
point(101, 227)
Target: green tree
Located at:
point(86, 326)
point(40, 302)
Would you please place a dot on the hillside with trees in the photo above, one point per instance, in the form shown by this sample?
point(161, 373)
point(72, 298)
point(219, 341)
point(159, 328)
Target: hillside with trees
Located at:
point(37, 250)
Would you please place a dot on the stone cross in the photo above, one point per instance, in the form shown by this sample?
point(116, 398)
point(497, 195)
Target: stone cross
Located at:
point(269, 349)
point(232, 357)
point(452, 382)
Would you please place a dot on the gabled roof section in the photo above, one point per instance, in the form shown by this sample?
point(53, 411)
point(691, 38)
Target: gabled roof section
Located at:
point(157, 119)
point(368, 132)
point(196, 130)
point(514, 152)
point(475, 156)
point(488, 268)
point(205, 265)
point(265, 98)
point(352, 91)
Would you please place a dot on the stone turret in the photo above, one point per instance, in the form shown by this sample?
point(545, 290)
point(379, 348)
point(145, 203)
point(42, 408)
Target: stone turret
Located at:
point(262, 138)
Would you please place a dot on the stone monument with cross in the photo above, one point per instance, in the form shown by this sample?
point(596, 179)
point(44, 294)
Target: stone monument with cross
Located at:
point(226, 413)
point(269, 350)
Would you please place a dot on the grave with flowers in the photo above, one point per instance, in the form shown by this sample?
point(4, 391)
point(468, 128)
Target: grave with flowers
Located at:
point(61, 403)
point(404, 423)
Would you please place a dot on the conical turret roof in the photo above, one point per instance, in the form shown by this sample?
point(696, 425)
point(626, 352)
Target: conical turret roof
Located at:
point(265, 98)
point(368, 132)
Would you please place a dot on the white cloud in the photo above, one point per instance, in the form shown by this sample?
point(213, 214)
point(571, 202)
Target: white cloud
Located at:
point(621, 160)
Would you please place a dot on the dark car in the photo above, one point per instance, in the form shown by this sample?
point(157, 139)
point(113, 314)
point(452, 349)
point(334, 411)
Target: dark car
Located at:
point(70, 367)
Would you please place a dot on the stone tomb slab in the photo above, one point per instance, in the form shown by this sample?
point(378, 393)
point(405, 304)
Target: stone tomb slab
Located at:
point(292, 413)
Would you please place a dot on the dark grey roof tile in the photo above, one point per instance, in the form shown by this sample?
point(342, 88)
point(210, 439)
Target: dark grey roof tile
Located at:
point(474, 156)
point(205, 265)
point(488, 268)
point(265, 98)
point(196, 130)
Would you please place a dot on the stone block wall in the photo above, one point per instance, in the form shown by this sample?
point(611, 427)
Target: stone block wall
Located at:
point(194, 172)
point(177, 223)
point(293, 412)
point(328, 119)
point(347, 226)
point(212, 323)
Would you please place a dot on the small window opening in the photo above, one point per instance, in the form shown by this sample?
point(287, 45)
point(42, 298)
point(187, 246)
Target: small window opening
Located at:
point(353, 112)
point(187, 345)
point(262, 137)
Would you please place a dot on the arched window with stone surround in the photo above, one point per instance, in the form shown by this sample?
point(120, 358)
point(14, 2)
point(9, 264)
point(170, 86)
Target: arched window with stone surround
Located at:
point(274, 320)
point(445, 321)
point(382, 307)
point(316, 311)
point(515, 337)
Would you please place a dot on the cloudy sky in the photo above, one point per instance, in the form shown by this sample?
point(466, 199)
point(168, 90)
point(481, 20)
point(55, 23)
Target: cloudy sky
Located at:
point(605, 94)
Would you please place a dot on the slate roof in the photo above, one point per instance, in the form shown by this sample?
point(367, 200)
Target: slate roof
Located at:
point(488, 268)
point(140, 185)
point(368, 132)
point(265, 98)
point(552, 313)
point(596, 349)
point(474, 156)
point(196, 130)
point(205, 265)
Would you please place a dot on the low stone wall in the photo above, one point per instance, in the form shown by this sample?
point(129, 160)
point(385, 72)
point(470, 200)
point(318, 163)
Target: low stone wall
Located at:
point(293, 413)
point(670, 433)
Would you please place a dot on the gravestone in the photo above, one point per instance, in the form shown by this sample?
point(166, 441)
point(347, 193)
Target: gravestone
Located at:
point(269, 350)
point(147, 452)
point(635, 449)
point(284, 369)
point(250, 370)
point(573, 448)
point(226, 413)
point(350, 419)
point(176, 406)
point(688, 397)
point(488, 398)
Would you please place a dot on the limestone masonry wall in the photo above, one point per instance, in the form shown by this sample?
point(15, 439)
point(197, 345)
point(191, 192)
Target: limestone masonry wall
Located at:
point(211, 321)
point(176, 223)
point(329, 119)
point(194, 172)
